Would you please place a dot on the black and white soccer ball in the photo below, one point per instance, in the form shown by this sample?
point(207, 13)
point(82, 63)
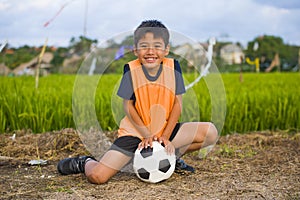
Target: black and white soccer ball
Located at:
point(153, 164)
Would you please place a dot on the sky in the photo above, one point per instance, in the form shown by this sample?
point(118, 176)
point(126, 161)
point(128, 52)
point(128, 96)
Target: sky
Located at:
point(22, 22)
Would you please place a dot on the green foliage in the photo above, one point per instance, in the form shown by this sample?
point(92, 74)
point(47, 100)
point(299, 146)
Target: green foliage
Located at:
point(128, 41)
point(268, 46)
point(58, 59)
point(21, 55)
point(26, 53)
point(261, 102)
point(117, 65)
point(81, 45)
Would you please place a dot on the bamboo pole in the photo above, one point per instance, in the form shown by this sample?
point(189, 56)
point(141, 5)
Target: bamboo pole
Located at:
point(37, 71)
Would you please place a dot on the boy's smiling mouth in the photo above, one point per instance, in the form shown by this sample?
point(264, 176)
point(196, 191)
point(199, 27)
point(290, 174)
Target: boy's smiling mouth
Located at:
point(150, 59)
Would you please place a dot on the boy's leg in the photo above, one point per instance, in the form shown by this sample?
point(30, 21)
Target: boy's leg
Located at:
point(119, 154)
point(193, 136)
point(190, 137)
point(108, 166)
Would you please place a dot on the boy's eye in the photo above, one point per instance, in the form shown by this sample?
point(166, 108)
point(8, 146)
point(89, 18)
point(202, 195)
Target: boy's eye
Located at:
point(158, 46)
point(146, 46)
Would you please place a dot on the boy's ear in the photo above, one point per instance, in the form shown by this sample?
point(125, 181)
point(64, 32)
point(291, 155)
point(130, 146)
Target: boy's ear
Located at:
point(167, 50)
point(135, 51)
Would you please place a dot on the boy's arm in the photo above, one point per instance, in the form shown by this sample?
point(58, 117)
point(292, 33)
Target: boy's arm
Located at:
point(174, 117)
point(135, 119)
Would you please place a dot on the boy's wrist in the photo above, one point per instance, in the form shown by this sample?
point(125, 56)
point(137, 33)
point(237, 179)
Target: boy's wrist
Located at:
point(166, 136)
point(146, 135)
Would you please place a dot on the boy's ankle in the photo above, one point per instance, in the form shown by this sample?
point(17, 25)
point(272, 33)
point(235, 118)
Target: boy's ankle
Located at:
point(182, 167)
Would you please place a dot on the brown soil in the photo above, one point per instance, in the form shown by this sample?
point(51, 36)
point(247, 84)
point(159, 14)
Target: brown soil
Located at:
point(261, 165)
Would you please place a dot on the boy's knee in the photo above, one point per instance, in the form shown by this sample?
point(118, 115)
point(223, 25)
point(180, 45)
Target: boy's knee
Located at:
point(212, 134)
point(97, 178)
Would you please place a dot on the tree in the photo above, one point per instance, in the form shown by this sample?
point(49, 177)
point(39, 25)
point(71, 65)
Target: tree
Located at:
point(268, 46)
point(20, 55)
point(57, 61)
point(82, 45)
point(128, 41)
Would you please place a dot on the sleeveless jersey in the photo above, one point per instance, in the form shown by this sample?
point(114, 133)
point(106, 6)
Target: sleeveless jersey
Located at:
point(153, 99)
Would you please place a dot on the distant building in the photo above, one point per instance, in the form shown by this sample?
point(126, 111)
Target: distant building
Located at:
point(232, 54)
point(30, 67)
point(195, 54)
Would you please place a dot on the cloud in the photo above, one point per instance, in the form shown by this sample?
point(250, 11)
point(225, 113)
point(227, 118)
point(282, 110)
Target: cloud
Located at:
point(22, 21)
point(286, 4)
point(4, 6)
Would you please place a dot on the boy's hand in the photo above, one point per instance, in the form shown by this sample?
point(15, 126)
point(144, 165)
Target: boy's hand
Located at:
point(147, 142)
point(168, 145)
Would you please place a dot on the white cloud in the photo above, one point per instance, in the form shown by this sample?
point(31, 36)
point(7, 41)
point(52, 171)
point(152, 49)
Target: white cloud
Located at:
point(4, 6)
point(22, 21)
point(288, 4)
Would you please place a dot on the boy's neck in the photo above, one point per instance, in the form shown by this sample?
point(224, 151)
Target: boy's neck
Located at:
point(153, 73)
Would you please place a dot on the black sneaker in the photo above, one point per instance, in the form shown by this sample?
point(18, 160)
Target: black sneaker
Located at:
point(181, 167)
point(72, 165)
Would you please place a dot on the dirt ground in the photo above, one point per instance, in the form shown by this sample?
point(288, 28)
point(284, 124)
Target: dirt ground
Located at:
point(262, 165)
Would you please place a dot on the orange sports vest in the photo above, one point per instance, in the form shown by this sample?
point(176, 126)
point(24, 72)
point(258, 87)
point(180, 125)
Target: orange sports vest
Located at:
point(154, 99)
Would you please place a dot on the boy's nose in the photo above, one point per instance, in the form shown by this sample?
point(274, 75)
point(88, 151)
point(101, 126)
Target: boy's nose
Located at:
point(150, 49)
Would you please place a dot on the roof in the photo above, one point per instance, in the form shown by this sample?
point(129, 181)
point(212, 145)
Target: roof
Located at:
point(47, 57)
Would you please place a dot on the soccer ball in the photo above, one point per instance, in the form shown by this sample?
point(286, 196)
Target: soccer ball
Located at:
point(153, 164)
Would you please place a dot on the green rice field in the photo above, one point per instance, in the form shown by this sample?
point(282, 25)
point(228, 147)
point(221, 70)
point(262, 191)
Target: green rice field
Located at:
point(259, 102)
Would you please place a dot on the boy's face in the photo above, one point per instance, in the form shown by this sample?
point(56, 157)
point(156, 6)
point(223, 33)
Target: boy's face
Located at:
point(151, 51)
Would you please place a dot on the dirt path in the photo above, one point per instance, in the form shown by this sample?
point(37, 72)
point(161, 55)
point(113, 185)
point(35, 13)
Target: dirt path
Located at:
point(250, 166)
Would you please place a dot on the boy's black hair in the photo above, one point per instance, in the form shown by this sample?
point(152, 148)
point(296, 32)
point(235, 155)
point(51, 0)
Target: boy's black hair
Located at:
point(153, 26)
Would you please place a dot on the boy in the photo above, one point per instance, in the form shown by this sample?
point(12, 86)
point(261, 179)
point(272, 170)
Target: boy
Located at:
point(151, 88)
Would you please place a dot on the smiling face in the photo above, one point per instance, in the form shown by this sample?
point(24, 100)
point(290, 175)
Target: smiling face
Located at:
point(151, 51)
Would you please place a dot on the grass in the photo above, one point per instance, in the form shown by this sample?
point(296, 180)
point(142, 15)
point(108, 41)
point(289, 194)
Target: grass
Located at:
point(260, 102)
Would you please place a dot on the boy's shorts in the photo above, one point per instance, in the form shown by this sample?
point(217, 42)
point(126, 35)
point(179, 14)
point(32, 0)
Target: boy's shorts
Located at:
point(129, 144)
